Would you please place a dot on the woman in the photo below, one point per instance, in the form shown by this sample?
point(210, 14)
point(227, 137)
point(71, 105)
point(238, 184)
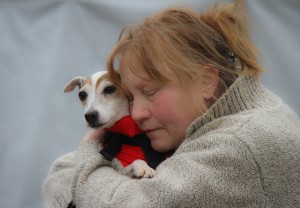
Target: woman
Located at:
point(192, 83)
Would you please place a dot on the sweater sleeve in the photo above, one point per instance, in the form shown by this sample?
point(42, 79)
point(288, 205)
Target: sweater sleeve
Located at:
point(56, 189)
point(57, 186)
point(217, 171)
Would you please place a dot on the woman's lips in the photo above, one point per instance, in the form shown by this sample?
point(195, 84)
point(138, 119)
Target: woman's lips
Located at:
point(150, 130)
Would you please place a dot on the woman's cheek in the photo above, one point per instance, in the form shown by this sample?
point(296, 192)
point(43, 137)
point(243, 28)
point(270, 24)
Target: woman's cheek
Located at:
point(161, 109)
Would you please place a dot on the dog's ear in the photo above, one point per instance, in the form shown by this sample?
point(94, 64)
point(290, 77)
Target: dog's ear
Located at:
point(77, 81)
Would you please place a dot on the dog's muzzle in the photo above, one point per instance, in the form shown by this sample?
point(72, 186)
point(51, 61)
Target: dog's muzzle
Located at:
point(92, 117)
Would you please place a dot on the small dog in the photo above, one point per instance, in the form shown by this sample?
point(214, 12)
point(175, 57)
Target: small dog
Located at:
point(105, 106)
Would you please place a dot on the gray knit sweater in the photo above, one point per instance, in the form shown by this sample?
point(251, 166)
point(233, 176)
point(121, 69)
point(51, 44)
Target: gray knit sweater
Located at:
point(243, 152)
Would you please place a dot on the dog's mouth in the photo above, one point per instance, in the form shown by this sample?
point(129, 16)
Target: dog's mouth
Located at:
point(93, 121)
point(96, 125)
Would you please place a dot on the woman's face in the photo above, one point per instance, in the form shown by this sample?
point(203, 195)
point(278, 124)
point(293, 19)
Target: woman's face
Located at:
point(163, 112)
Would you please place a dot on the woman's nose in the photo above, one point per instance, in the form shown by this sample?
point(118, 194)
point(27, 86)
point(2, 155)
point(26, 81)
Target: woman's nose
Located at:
point(139, 111)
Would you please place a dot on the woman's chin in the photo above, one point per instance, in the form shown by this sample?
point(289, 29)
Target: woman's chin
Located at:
point(157, 146)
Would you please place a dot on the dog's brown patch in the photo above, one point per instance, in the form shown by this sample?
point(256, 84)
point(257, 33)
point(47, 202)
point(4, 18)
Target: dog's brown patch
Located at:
point(87, 81)
point(100, 79)
point(108, 78)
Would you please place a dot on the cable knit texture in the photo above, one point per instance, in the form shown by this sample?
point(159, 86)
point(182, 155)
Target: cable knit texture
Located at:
point(243, 152)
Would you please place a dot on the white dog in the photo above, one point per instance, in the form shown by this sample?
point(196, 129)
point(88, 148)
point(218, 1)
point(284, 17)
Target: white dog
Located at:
point(104, 106)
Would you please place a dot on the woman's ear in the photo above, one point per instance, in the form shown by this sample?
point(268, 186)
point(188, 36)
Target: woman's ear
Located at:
point(210, 80)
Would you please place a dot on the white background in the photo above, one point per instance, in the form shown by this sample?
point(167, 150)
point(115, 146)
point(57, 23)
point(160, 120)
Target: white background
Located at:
point(45, 43)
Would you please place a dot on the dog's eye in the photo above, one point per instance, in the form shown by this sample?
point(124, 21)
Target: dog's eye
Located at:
point(109, 90)
point(82, 95)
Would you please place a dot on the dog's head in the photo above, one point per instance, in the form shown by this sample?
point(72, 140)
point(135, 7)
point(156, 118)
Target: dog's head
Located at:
point(103, 102)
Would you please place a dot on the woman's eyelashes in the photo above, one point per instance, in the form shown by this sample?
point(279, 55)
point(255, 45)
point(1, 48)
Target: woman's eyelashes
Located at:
point(145, 93)
point(148, 92)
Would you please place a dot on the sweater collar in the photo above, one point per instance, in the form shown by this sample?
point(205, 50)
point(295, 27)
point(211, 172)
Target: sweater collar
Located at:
point(244, 94)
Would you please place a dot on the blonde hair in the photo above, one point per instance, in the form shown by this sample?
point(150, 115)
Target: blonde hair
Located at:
point(181, 41)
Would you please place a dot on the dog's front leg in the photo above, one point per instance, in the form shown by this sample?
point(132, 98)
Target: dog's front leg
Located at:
point(140, 169)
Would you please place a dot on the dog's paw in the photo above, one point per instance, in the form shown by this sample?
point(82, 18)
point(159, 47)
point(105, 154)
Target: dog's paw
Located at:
point(140, 169)
point(144, 172)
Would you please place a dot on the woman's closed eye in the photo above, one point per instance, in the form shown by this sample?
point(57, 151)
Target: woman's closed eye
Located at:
point(146, 93)
point(149, 92)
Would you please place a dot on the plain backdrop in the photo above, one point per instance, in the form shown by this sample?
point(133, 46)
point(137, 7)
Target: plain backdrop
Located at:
point(45, 43)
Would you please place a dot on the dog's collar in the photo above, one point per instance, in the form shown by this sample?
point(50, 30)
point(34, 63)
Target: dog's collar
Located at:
point(125, 126)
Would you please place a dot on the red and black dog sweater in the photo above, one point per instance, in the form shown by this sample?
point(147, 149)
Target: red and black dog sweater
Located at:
point(127, 143)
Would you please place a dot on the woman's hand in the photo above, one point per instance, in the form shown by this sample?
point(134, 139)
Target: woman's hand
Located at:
point(94, 134)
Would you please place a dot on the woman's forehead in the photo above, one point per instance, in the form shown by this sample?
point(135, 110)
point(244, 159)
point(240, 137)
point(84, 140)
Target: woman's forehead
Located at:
point(128, 70)
point(149, 68)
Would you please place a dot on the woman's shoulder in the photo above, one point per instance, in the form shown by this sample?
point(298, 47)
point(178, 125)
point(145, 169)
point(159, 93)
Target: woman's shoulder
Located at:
point(269, 126)
point(275, 128)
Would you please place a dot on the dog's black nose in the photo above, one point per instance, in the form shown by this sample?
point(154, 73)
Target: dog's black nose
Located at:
point(91, 117)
